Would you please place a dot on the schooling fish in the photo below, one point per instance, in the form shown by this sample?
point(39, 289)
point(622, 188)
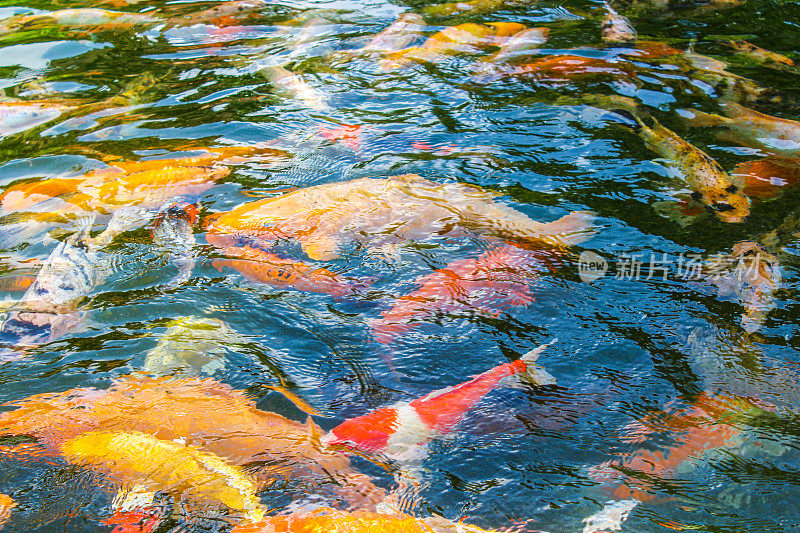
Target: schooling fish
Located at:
point(378, 212)
point(775, 135)
point(498, 279)
point(464, 38)
point(615, 28)
point(710, 184)
point(402, 431)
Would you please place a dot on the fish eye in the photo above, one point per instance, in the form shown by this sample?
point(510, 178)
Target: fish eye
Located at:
point(723, 207)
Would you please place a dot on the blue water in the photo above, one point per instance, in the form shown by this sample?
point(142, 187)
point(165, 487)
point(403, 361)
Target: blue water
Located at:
point(626, 346)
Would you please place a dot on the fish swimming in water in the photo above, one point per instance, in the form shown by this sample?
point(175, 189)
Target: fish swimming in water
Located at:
point(291, 85)
point(519, 44)
point(81, 18)
point(561, 68)
point(209, 416)
point(710, 184)
point(265, 267)
point(402, 431)
point(337, 521)
point(774, 135)
point(49, 308)
point(377, 212)
point(498, 279)
point(400, 33)
point(191, 346)
point(132, 457)
point(765, 178)
point(464, 38)
point(764, 57)
point(615, 28)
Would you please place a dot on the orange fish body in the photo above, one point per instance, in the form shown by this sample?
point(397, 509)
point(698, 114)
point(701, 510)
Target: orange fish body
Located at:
point(377, 212)
point(335, 521)
point(569, 67)
point(264, 267)
point(493, 282)
point(453, 40)
point(765, 178)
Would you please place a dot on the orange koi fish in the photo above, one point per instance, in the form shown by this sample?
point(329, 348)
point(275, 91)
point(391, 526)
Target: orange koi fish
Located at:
point(402, 431)
point(774, 135)
point(205, 414)
point(379, 212)
point(464, 38)
point(764, 178)
point(653, 50)
point(337, 521)
point(566, 68)
point(7, 505)
point(495, 281)
point(264, 267)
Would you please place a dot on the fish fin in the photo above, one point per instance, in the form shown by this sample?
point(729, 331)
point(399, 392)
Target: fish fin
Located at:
point(535, 374)
point(692, 117)
point(571, 229)
point(679, 211)
point(628, 119)
point(294, 398)
point(84, 226)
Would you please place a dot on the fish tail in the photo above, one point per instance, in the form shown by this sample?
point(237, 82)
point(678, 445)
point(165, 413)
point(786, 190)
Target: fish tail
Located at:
point(84, 226)
point(533, 373)
point(571, 229)
point(692, 117)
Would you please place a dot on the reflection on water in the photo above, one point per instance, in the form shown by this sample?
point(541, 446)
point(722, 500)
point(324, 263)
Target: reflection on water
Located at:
point(254, 255)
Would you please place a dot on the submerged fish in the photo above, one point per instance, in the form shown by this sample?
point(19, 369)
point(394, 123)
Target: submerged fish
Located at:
point(337, 521)
point(291, 85)
point(710, 184)
point(19, 116)
point(49, 308)
point(205, 414)
point(733, 87)
point(401, 33)
point(76, 18)
point(564, 68)
point(174, 235)
point(745, 126)
point(753, 276)
point(265, 267)
point(191, 346)
point(455, 39)
point(765, 178)
point(401, 431)
point(519, 44)
point(222, 14)
point(762, 56)
point(615, 28)
point(183, 470)
point(379, 212)
point(498, 279)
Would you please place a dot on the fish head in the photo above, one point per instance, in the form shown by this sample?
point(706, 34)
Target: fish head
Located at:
point(729, 203)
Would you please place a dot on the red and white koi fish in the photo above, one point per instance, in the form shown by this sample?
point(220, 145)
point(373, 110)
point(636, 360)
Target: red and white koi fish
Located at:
point(401, 431)
point(498, 279)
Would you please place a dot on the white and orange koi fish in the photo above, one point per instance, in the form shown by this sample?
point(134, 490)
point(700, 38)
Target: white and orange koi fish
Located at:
point(401, 431)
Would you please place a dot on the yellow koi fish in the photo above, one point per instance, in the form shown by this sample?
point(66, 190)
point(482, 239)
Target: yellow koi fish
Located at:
point(160, 465)
point(710, 184)
point(775, 135)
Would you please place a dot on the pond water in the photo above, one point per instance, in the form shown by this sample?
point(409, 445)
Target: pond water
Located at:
point(677, 384)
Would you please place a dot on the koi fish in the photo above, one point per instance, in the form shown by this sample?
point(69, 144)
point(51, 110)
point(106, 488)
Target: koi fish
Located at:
point(190, 346)
point(223, 14)
point(455, 39)
point(764, 178)
point(377, 212)
point(48, 308)
point(7, 505)
point(184, 470)
point(402, 431)
point(358, 521)
point(77, 18)
point(19, 116)
point(762, 56)
point(775, 135)
point(498, 279)
point(207, 415)
point(652, 50)
point(754, 279)
point(519, 44)
point(174, 234)
point(290, 85)
point(401, 33)
point(711, 185)
point(734, 87)
point(615, 28)
point(264, 267)
point(708, 424)
point(565, 68)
